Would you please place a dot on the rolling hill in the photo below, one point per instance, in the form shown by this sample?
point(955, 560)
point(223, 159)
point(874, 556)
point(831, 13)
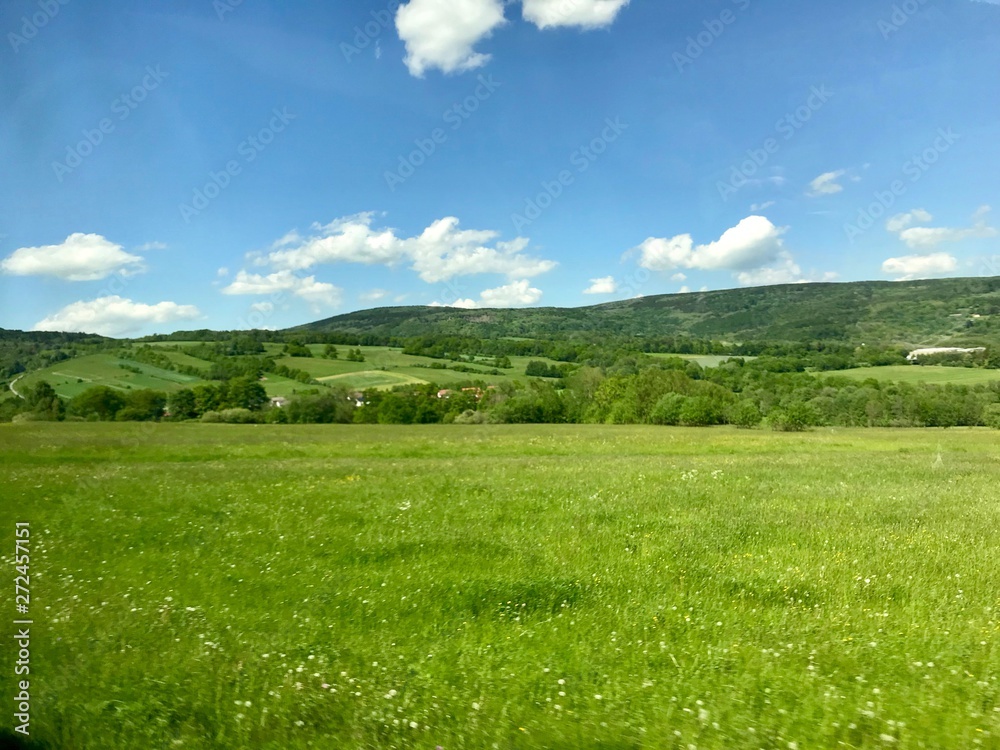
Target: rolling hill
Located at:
point(912, 313)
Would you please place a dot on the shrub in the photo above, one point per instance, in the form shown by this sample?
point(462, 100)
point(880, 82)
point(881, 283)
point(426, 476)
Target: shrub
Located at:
point(238, 416)
point(744, 414)
point(991, 416)
point(795, 417)
point(667, 410)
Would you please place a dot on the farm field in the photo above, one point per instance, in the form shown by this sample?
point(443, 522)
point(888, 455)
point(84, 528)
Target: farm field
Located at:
point(921, 374)
point(217, 586)
point(74, 376)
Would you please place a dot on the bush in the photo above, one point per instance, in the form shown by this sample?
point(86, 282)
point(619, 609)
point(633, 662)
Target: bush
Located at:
point(795, 417)
point(211, 417)
point(667, 410)
point(701, 411)
point(471, 417)
point(991, 416)
point(744, 414)
point(238, 416)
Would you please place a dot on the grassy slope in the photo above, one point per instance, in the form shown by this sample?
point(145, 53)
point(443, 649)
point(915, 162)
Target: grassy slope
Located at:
point(76, 375)
point(917, 374)
point(913, 313)
point(543, 587)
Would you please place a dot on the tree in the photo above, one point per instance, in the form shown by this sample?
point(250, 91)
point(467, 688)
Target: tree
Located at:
point(744, 414)
point(182, 404)
point(991, 416)
point(100, 401)
point(330, 352)
point(794, 417)
point(43, 403)
point(246, 393)
point(296, 348)
point(143, 406)
point(667, 411)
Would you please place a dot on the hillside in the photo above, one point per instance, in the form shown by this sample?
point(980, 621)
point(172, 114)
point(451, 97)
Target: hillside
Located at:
point(931, 312)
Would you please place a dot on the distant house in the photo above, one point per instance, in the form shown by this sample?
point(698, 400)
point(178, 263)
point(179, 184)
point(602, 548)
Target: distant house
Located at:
point(279, 402)
point(445, 393)
point(916, 354)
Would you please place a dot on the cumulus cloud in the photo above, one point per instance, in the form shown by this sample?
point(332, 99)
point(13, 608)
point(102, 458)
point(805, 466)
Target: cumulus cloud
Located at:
point(826, 184)
point(115, 316)
point(606, 285)
point(584, 14)
point(910, 267)
point(753, 250)
point(441, 252)
point(316, 293)
point(82, 257)
point(927, 238)
point(752, 243)
point(443, 33)
point(899, 222)
point(516, 294)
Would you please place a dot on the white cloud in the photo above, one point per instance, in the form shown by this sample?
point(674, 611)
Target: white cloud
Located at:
point(584, 14)
point(443, 33)
point(316, 293)
point(899, 222)
point(927, 238)
point(262, 307)
point(374, 295)
point(222, 272)
point(679, 277)
point(115, 316)
point(82, 257)
point(516, 294)
point(151, 246)
point(752, 243)
point(761, 206)
point(441, 252)
point(606, 285)
point(826, 184)
point(920, 266)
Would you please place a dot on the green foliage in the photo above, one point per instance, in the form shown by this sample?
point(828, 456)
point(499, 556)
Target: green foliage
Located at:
point(99, 402)
point(744, 414)
point(793, 417)
point(330, 352)
point(667, 410)
point(296, 348)
point(991, 416)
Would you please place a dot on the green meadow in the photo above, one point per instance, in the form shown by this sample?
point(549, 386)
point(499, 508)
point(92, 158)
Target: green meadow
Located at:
point(931, 374)
point(217, 586)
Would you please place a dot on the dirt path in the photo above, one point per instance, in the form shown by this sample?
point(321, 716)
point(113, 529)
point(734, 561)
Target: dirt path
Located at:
point(13, 383)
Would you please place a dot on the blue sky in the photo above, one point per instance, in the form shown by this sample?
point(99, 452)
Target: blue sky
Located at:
point(224, 164)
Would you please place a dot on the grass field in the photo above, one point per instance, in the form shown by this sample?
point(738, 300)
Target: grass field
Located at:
point(77, 375)
point(214, 586)
point(922, 374)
